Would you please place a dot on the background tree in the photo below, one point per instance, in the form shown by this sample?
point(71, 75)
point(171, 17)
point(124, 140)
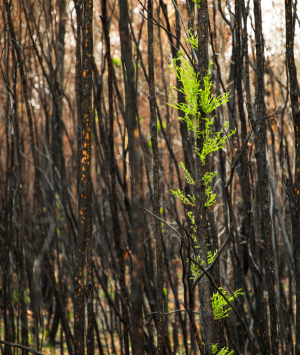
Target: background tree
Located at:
point(97, 254)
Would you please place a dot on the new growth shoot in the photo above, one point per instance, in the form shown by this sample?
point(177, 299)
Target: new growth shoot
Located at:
point(199, 104)
point(224, 351)
point(212, 141)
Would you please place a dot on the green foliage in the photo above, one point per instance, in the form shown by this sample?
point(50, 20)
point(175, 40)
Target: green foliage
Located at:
point(195, 98)
point(207, 178)
point(194, 228)
point(197, 2)
point(199, 103)
point(192, 218)
point(117, 61)
point(149, 142)
point(192, 40)
point(15, 296)
point(218, 303)
point(212, 143)
point(187, 175)
point(210, 257)
point(196, 269)
point(214, 348)
point(165, 291)
point(191, 88)
point(159, 126)
point(224, 351)
point(189, 200)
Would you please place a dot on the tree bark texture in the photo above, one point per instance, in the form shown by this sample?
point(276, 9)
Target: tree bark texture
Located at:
point(260, 131)
point(116, 227)
point(294, 199)
point(84, 189)
point(200, 210)
point(156, 181)
point(137, 277)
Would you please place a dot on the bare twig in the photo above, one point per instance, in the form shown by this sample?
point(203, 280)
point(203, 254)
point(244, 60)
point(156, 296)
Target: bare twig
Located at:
point(166, 314)
point(157, 24)
point(169, 225)
point(245, 144)
point(14, 345)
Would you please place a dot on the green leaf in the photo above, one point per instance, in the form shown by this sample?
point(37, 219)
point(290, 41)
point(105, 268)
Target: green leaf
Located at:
point(165, 292)
point(210, 257)
point(224, 351)
point(150, 143)
point(187, 175)
point(214, 348)
point(189, 200)
point(117, 61)
point(218, 303)
point(190, 215)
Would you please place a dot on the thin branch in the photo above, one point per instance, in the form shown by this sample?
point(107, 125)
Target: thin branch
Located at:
point(159, 25)
point(245, 144)
point(163, 221)
point(186, 32)
point(166, 314)
point(21, 347)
